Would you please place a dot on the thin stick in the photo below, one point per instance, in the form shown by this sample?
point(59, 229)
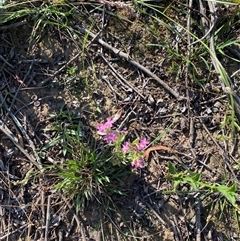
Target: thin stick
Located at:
point(5, 237)
point(80, 226)
point(122, 79)
point(19, 87)
point(198, 221)
point(59, 70)
point(13, 25)
point(10, 135)
point(131, 61)
point(105, 78)
point(6, 62)
point(187, 74)
point(221, 152)
point(175, 230)
point(43, 212)
point(156, 214)
point(6, 131)
point(48, 217)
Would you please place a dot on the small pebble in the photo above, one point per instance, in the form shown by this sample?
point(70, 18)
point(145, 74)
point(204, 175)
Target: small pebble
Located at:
point(151, 100)
point(36, 103)
point(160, 103)
point(163, 111)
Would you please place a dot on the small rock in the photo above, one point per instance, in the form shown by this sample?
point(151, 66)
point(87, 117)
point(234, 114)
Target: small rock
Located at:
point(160, 103)
point(183, 109)
point(151, 101)
point(36, 103)
point(209, 111)
point(163, 111)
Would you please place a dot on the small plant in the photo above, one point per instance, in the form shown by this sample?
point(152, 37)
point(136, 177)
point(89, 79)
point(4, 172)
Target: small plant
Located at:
point(237, 166)
point(85, 175)
point(68, 132)
point(194, 180)
point(124, 152)
point(72, 70)
point(89, 169)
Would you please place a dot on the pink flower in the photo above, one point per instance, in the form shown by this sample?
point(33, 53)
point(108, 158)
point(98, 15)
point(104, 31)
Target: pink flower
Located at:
point(142, 144)
point(126, 146)
point(109, 123)
point(103, 127)
point(111, 136)
point(124, 132)
point(137, 163)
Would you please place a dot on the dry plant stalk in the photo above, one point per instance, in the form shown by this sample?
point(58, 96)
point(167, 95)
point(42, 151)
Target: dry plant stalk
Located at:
point(121, 5)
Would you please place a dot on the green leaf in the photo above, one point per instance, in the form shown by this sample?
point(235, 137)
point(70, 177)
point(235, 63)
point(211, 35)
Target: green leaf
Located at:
point(73, 132)
point(196, 177)
point(175, 185)
point(135, 142)
point(52, 143)
point(78, 203)
point(228, 192)
point(171, 168)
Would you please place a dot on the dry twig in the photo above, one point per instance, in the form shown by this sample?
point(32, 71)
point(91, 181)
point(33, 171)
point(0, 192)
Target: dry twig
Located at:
point(221, 152)
point(131, 61)
point(48, 216)
point(121, 78)
point(161, 148)
point(198, 221)
point(10, 135)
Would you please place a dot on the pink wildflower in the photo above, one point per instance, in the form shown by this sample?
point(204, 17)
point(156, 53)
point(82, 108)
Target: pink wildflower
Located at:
point(124, 132)
point(142, 144)
point(137, 163)
point(126, 146)
point(109, 123)
point(110, 137)
point(103, 127)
